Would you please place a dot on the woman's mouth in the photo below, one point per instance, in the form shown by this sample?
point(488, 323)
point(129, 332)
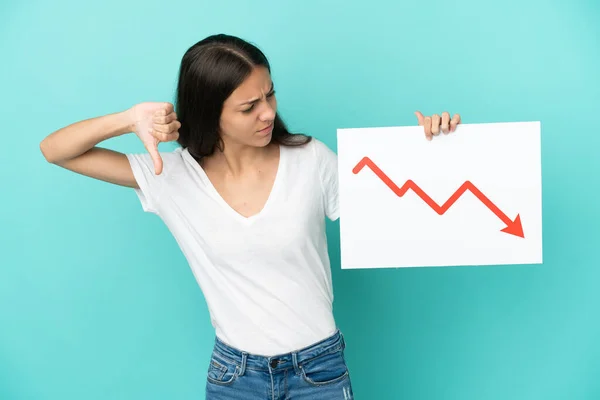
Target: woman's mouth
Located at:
point(267, 129)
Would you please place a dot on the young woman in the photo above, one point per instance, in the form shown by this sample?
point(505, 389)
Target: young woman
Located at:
point(246, 201)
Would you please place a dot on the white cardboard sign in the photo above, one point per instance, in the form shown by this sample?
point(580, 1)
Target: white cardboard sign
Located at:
point(472, 197)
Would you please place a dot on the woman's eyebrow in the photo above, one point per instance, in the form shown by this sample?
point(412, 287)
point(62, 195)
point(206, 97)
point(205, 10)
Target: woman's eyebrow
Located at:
point(254, 100)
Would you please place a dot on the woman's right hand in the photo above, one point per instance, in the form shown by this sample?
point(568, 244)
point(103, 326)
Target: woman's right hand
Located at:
point(154, 122)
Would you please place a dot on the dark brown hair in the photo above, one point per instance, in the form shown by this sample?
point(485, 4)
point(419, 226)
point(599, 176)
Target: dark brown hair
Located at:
point(210, 71)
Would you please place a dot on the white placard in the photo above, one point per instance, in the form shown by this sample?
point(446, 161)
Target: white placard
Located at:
point(472, 197)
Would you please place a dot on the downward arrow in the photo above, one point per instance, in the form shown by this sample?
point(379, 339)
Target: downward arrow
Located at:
point(513, 227)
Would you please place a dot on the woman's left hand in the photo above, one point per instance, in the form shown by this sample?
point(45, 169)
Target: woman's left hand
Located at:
point(434, 124)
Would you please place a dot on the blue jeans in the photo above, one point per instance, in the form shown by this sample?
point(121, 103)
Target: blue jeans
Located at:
point(315, 372)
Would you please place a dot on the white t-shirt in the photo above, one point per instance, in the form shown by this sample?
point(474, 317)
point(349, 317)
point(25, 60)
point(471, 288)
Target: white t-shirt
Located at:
point(266, 279)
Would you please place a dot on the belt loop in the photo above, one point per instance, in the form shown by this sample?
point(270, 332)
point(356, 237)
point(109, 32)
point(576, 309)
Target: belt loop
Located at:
point(295, 362)
point(244, 361)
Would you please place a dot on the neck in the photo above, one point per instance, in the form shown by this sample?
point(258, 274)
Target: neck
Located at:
point(237, 159)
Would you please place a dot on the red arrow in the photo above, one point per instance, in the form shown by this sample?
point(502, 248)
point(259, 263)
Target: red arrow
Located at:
point(513, 227)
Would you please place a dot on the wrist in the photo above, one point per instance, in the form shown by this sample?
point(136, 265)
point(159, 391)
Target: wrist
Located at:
point(125, 121)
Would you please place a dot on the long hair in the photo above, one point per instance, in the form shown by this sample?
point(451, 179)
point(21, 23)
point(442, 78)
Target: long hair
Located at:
point(210, 71)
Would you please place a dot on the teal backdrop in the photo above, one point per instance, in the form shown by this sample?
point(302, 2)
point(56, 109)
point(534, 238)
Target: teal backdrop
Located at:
point(96, 300)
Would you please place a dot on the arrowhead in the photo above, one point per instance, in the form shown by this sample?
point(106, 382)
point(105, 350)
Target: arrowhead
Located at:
point(515, 227)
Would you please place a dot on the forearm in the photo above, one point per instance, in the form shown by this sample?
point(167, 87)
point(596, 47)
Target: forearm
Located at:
point(75, 139)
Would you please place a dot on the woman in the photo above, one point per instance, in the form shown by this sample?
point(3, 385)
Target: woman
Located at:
point(246, 201)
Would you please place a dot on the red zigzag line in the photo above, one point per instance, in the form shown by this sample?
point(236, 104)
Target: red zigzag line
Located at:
point(513, 227)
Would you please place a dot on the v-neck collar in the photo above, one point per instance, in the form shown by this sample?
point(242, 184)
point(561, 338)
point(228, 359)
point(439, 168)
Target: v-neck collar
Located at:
point(215, 194)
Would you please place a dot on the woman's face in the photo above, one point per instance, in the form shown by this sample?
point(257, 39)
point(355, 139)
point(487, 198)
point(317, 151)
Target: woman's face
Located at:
point(248, 114)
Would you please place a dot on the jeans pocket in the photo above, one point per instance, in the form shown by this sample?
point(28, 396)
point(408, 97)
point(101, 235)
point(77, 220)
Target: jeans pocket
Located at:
point(222, 371)
point(325, 369)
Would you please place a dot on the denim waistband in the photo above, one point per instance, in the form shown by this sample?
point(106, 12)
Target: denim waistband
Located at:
point(244, 360)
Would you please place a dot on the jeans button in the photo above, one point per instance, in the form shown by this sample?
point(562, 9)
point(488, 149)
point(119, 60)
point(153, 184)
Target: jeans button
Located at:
point(273, 363)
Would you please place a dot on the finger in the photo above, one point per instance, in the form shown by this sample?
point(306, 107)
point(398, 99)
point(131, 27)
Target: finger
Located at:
point(174, 126)
point(455, 121)
point(163, 136)
point(445, 122)
point(168, 108)
point(167, 128)
point(164, 119)
point(420, 118)
point(160, 128)
point(427, 127)
point(164, 109)
point(435, 124)
point(156, 159)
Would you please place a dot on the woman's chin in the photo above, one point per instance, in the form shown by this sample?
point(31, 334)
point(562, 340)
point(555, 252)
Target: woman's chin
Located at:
point(263, 140)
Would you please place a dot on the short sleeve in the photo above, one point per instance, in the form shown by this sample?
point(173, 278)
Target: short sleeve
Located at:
point(150, 184)
point(327, 163)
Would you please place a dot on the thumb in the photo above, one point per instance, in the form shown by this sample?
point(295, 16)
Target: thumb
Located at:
point(156, 159)
point(420, 117)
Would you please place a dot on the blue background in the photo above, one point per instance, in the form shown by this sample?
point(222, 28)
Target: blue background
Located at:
point(97, 301)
